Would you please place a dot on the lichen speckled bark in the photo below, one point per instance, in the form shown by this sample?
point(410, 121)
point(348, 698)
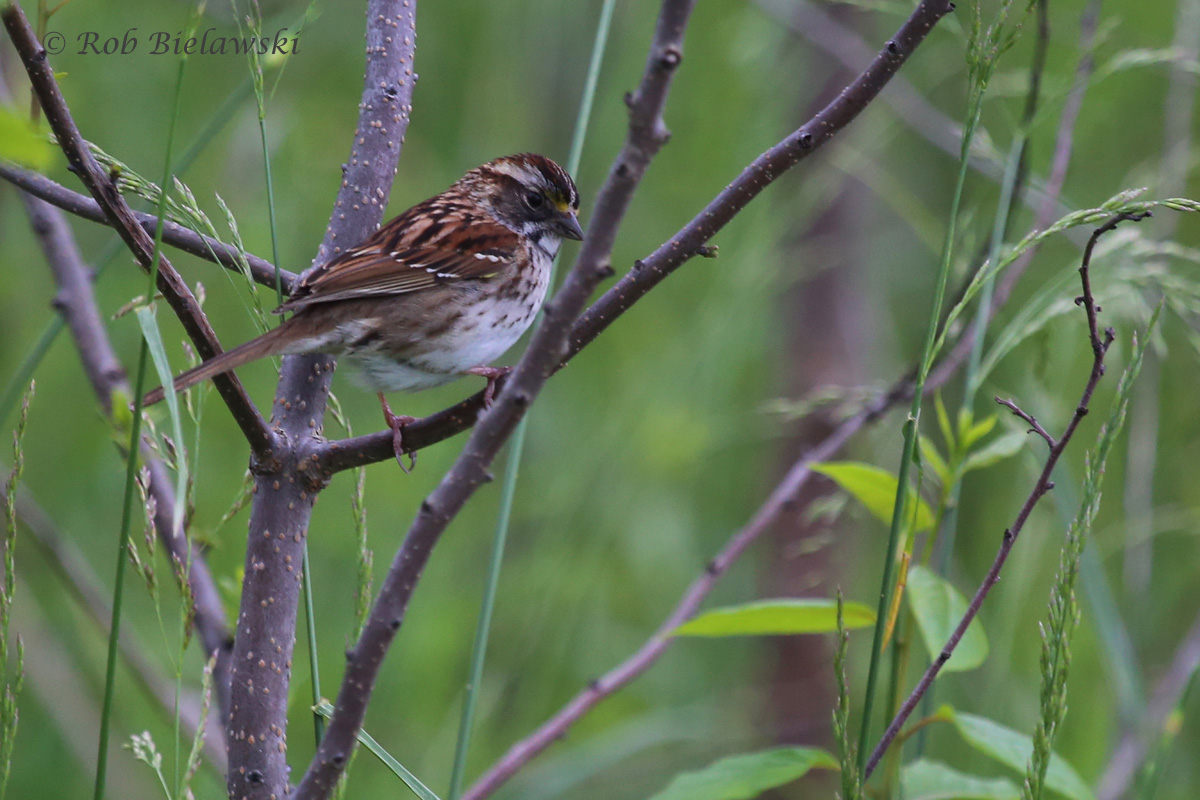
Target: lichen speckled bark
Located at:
point(286, 490)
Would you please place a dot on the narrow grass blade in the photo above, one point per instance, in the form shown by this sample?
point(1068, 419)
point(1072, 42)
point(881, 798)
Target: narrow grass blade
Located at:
point(158, 355)
point(324, 709)
point(516, 446)
point(131, 468)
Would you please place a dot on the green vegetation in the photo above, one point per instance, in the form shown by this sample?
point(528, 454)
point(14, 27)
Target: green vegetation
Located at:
point(865, 264)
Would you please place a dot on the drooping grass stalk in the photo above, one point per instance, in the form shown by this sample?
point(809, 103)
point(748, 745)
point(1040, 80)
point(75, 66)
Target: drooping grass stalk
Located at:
point(20, 379)
point(515, 448)
point(9, 715)
point(131, 469)
point(982, 55)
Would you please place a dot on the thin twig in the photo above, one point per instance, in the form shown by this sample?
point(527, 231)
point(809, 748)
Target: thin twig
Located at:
point(1100, 342)
point(1034, 425)
point(174, 234)
point(104, 191)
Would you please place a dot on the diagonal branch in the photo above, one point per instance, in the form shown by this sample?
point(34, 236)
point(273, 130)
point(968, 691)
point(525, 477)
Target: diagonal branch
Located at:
point(174, 234)
point(1100, 341)
point(102, 188)
point(676, 251)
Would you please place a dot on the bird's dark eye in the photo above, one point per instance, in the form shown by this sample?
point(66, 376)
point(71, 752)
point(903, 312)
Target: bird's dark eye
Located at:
point(534, 199)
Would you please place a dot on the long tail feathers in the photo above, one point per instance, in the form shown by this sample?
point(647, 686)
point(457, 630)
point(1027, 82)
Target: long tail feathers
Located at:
point(266, 345)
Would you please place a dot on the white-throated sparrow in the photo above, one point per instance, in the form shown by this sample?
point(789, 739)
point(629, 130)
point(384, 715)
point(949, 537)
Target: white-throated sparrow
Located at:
point(438, 292)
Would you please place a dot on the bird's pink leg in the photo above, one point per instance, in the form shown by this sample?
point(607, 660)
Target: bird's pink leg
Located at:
point(396, 424)
point(492, 374)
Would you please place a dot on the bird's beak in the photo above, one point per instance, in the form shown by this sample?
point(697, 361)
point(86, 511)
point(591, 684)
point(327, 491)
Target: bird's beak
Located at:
point(569, 225)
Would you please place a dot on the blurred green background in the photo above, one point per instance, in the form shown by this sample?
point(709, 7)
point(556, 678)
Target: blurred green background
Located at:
point(660, 440)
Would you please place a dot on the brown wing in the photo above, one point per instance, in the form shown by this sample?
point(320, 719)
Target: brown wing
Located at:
point(428, 245)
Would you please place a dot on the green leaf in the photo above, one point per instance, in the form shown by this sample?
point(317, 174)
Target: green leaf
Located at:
point(746, 776)
point(158, 354)
point(875, 488)
point(944, 421)
point(979, 430)
point(22, 142)
point(930, 453)
point(938, 608)
point(932, 780)
point(325, 709)
point(1013, 749)
point(965, 419)
point(776, 618)
point(997, 450)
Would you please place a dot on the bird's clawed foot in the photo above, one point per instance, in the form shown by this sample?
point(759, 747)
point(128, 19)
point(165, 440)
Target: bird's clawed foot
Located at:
point(492, 374)
point(396, 424)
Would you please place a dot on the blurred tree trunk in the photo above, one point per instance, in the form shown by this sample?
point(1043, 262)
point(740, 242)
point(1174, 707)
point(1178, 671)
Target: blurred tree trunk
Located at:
point(823, 316)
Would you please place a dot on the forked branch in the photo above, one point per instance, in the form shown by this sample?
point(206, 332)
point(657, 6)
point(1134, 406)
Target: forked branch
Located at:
point(1100, 341)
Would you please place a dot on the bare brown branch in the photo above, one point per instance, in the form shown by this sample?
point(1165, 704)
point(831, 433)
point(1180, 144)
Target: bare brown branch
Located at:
point(1034, 425)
